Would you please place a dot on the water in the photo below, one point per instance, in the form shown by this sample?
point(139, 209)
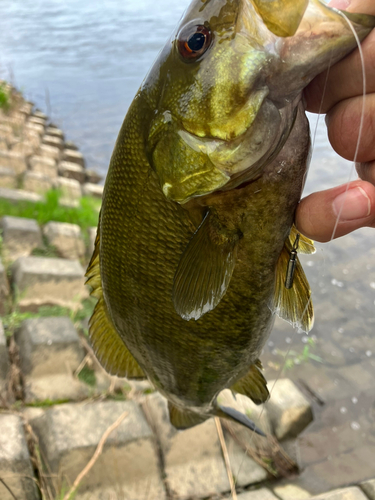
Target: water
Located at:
point(82, 63)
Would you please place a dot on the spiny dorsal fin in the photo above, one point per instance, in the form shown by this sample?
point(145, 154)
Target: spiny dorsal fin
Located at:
point(235, 416)
point(183, 419)
point(305, 245)
point(282, 17)
point(294, 304)
point(253, 385)
point(108, 347)
point(205, 269)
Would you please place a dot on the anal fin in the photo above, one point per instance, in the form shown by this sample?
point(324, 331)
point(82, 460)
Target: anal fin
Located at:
point(253, 385)
point(205, 268)
point(107, 344)
point(183, 419)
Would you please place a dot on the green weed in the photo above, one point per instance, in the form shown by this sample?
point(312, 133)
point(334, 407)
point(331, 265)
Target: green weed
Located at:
point(87, 375)
point(297, 358)
point(4, 97)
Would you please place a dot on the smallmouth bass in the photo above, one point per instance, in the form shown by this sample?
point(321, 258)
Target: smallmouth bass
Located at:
point(196, 228)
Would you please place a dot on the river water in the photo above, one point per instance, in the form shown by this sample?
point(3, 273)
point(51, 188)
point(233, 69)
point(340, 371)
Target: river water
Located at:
point(82, 62)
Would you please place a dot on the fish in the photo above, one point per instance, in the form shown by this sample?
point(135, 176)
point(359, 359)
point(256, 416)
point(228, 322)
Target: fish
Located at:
point(196, 251)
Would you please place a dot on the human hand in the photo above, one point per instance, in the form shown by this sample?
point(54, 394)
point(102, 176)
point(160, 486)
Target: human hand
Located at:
point(317, 214)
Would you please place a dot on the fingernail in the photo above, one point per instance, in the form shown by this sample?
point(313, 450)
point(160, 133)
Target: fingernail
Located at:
point(339, 4)
point(352, 205)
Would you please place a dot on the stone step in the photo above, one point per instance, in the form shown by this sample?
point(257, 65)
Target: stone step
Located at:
point(48, 281)
point(127, 468)
point(260, 494)
point(66, 238)
point(193, 460)
point(90, 189)
point(37, 182)
point(15, 466)
point(20, 236)
point(19, 196)
point(15, 161)
point(73, 156)
point(8, 178)
point(352, 493)
point(72, 171)
point(43, 165)
point(52, 140)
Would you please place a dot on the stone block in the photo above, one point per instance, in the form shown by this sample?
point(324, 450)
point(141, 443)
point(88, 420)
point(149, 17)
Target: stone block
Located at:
point(6, 130)
point(33, 129)
point(37, 120)
point(49, 151)
point(66, 238)
point(15, 466)
point(369, 488)
point(72, 171)
point(15, 161)
point(352, 493)
point(290, 412)
point(92, 177)
point(48, 346)
point(36, 182)
point(55, 132)
point(73, 156)
point(19, 195)
point(193, 461)
point(71, 145)
point(52, 140)
point(92, 237)
point(8, 178)
point(20, 236)
point(60, 387)
point(89, 189)
point(26, 108)
point(290, 491)
point(39, 114)
point(25, 148)
point(3, 144)
point(70, 188)
point(44, 281)
point(4, 288)
point(261, 494)
point(4, 356)
point(129, 464)
point(43, 165)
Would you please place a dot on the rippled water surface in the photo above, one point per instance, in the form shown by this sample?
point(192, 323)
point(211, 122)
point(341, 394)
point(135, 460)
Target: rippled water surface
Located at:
point(81, 62)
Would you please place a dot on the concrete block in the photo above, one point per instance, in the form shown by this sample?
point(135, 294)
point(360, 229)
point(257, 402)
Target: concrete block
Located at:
point(52, 140)
point(4, 288)
point(70, 188)
point(55, 132)
point(19, 195)
point(66, 238)
point(4, 356)
point(49, 151)
point(69, 434)
point(43, 165)
point(73, 156)
point(89, 189)
point(60, 387)
point(36, 182)
point(290, 412)
point(352, 493)
point(72, 171)
point(15, 161)
point(15, 466)
point(92, 237)
point(193, 461)
point(92, 177)
point(8, 178)
point(369, 488)
point(261, 494)
point(48, 346)
point(44, 281)
point(20, 236)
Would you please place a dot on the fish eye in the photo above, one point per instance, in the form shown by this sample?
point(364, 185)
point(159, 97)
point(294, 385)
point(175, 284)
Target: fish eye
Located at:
point(193, 41)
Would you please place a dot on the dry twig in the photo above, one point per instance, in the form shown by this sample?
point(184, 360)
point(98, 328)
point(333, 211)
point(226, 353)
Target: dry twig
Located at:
point(226, 458)
point(95, 456)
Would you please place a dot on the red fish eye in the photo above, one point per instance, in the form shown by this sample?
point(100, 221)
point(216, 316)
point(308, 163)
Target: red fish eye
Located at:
point(193, 41)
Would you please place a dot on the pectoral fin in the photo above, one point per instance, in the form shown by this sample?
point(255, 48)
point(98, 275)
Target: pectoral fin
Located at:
point(205, 269)
point(107, 344)
point(183, 419)
point(253, 385)
point(294, 304)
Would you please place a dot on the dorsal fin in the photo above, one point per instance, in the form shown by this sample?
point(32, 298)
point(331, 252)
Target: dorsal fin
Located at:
point(107, 344)
point(253, 385)
point(294, 304)
point(205, 268)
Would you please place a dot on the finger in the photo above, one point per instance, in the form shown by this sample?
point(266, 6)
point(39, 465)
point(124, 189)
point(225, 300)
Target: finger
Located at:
point(317, 214)
point(343, 122)
point(366, 171)
point(345, 78)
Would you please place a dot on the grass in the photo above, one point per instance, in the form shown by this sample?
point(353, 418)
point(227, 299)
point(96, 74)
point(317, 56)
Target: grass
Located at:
point(4, 97)
point(295, 358)
point(86, 215)
point(87, 375)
